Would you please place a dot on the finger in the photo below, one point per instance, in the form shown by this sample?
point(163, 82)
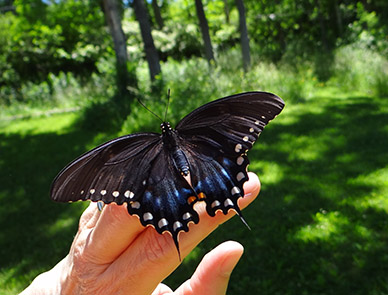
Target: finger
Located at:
point(162, 289)
point(213, 273)
point(89, 217)
point(114, 231)
point(153, 256)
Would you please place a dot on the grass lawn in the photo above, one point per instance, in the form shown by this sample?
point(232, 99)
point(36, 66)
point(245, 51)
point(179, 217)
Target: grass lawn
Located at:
point(319, 226)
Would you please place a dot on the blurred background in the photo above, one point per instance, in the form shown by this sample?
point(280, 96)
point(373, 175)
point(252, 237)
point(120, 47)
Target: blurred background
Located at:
point(70, 75)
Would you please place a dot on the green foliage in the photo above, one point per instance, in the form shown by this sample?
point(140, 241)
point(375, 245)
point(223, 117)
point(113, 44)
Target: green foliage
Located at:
point(305, 28)
point(42, 39)
point(360, 69)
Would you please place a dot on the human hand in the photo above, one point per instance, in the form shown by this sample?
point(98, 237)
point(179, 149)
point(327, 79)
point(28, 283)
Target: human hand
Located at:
point(113, 253)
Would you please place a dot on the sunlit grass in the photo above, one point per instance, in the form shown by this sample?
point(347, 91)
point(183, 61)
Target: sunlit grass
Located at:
point(326, 225)
point(378, 198)
point(41, 124)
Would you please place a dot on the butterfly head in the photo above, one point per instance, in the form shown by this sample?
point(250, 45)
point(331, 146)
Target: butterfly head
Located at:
point(165, 126)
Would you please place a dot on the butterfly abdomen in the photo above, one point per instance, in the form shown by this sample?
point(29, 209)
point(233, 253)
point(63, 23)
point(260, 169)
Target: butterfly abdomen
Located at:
point(171, 143)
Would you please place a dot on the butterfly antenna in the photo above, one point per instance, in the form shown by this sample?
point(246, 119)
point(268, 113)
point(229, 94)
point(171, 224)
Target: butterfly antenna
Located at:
point(168, 104)
point(144, 106)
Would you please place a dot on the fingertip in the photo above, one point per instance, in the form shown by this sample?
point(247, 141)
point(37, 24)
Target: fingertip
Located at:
point(89, 217)
point(213, 273)
point(251, 189)
point(253, 185)
point(231, 251)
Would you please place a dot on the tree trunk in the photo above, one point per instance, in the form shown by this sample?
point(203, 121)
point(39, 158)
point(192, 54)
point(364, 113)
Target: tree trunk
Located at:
point(113, 19)
point(321, 21)
point(226, 11)
point(338, 18)
point(244, 39)
point(205, 31)
point(158, 16)
point(149, 47)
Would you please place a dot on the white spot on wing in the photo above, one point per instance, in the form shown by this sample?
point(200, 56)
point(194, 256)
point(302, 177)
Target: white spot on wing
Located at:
point(162, 222)
point(186, 216)
point(177, 225)
point(245, 138)
point(251, 130)
point(129, 194)
point(235, 190)
point(228, 202)
point(135, 205)
point(215, 204)
point(115, 194)
point(240, 176)
point(238, 148)
point(147, 216)
point(92, 191)
point(240, 160)
point(103, 192)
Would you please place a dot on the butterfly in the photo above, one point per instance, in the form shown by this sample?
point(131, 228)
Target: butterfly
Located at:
point(162, 176)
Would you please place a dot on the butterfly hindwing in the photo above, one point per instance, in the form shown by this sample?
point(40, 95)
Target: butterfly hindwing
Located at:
point(164, 203)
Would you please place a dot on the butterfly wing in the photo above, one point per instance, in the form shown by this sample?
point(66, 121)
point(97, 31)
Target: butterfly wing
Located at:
point(133, 169)
point(217, 137)
point(111, 172)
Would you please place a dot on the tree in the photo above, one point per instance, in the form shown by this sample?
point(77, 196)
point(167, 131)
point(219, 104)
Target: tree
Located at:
point(149, 47)
point(226, 11)
point(205, 30)
point(157, 14)
point(112, 15)
point(244, 39)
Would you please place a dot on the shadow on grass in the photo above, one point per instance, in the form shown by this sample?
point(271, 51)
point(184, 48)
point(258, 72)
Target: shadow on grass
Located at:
point(35, 232)
point(318, 226)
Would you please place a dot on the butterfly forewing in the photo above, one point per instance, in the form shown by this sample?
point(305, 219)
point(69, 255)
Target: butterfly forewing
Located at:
point(109, 172)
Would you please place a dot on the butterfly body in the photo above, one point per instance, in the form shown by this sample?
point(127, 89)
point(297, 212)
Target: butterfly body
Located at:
point(162, 176)
point(171, 143)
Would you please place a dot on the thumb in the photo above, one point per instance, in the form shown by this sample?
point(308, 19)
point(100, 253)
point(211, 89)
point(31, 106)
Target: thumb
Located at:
point(213, 273)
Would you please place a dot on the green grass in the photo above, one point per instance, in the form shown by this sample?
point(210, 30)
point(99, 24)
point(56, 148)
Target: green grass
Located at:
point(319, 226)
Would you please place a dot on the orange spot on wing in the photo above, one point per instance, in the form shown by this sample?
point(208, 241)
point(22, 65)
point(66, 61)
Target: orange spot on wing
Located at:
point(191, 199)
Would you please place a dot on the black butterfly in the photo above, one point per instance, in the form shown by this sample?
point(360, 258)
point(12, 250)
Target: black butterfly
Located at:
point(162, 176)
